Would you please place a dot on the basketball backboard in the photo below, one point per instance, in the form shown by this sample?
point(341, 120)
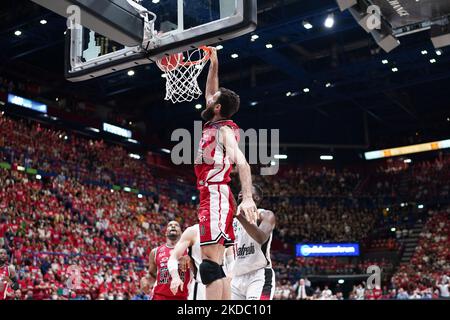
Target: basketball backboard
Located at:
point(116, 34)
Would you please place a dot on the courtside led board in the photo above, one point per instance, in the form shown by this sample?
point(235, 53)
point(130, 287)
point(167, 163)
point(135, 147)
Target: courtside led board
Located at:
point(327, 249)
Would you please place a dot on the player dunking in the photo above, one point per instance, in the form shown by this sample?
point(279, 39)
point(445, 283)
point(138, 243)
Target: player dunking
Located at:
point(218, 151)
point(158, 268)
point(8, 279)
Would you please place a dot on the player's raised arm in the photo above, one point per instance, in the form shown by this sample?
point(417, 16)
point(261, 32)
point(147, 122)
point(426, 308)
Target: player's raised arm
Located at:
point(262, 232)
point(13, 277)
point(212, 84)
point(245, 175)
point(186, 240)
point(152, 269)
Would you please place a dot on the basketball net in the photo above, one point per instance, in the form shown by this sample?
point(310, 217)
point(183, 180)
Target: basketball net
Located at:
point(181, 72)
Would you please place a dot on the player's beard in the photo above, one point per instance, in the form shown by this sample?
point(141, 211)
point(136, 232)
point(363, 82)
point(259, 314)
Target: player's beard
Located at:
point(172, 236)
point(208, 114)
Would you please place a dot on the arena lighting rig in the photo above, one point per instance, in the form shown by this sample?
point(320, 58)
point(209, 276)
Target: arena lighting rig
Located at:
point(416, 148)
point(388, 20)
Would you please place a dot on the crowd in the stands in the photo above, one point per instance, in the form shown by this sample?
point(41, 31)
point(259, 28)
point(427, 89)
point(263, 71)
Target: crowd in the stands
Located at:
point(55, 224)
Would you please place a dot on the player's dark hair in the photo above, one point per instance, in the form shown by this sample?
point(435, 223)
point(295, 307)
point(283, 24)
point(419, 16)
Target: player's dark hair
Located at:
point(229, 101)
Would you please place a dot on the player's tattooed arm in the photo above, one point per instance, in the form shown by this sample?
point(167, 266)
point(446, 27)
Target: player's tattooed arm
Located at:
point(212, 84)
point(236, 156)
point(262, 232)
point(152, 269)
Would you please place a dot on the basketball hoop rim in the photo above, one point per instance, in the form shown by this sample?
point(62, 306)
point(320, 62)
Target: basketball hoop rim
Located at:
point(207, 56)
point(207, 51)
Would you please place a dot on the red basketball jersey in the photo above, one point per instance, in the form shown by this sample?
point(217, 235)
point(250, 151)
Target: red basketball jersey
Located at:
point(163, 278)
point(4, 274)
point(212, 166)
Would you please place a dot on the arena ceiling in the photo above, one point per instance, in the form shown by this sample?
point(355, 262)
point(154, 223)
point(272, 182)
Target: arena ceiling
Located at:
point(320, 86)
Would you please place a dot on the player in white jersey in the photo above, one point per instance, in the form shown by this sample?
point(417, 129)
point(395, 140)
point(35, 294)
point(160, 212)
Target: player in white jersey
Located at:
point(252, 276)
point(190, 240)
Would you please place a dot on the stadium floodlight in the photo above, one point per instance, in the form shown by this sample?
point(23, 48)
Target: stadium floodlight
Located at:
point(280, 157)
point(326, 158)
point(329, 21)
point(307, 25)
point(135, 156)
point(94, 129)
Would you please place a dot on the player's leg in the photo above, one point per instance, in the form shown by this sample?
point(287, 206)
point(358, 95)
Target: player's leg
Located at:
point(211, 270)
point(236, 292)
point(226, 294)
point(262, 287)
point(201, 291)
point(213, 220)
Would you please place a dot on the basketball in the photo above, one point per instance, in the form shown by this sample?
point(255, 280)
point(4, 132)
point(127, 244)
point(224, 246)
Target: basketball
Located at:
point(170, 63)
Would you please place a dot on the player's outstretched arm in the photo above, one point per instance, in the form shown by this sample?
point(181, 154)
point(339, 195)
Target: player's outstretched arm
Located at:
point(262, 232)
point(152, 269)
point(245, 175)
point(186, 240)
point(212, 84)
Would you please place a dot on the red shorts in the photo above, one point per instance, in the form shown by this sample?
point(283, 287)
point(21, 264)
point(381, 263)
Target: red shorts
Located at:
point(215, 215)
